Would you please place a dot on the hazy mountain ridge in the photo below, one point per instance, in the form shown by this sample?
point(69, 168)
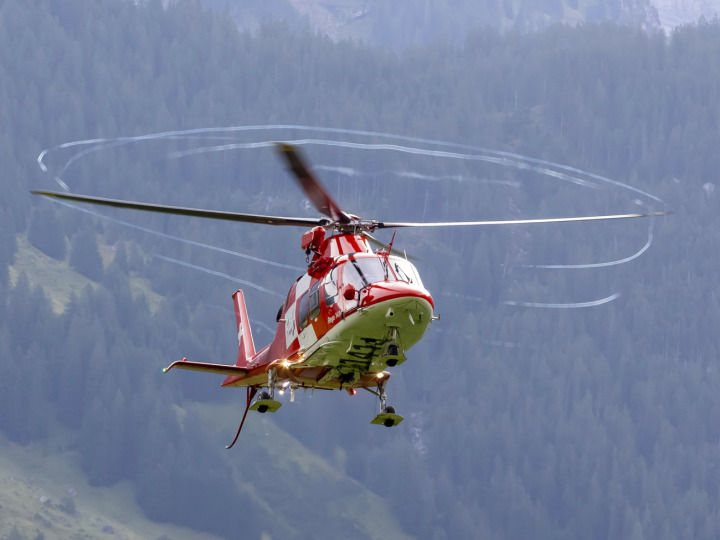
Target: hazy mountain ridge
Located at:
point(416, 22)
point(674, 13)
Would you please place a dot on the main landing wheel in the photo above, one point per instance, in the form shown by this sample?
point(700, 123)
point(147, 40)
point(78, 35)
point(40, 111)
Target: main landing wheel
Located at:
point(265, 403)
point(263, 396)
point(389, 422)
point(387, 416)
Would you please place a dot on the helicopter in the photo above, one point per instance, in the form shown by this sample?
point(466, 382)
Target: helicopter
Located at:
point(346, 321)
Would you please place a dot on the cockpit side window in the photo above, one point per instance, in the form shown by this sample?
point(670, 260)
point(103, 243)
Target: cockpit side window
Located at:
point(401, 273)
point(405, 271)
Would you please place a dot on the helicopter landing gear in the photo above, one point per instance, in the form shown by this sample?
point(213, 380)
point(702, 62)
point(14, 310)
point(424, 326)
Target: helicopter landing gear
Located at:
point(266, 400)
point(387, 416)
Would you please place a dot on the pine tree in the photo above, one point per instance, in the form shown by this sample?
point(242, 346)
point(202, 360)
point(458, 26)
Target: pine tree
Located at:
point(85, 257)
point(46, 233)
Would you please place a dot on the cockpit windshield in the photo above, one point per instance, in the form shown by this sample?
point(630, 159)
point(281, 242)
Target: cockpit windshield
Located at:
point(362, 272)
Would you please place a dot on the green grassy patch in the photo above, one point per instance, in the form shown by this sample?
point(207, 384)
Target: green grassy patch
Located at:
point(56, 278)
point(60, 281)
point(42, 491)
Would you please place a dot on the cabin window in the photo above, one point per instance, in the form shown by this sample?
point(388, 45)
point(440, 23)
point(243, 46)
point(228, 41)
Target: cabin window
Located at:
point(286, 305)
point(314, 302)
point(303, 311)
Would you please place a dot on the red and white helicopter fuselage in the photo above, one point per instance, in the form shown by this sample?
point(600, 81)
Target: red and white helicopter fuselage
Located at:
point(344, 322)
point(353, 314)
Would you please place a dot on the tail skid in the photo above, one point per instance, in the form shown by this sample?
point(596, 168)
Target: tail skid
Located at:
point(246, 352)
point(251, 391)
point(246, 346)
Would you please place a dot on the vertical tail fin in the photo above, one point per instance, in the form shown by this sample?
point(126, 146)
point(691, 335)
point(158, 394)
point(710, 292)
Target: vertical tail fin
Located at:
point(246, 347)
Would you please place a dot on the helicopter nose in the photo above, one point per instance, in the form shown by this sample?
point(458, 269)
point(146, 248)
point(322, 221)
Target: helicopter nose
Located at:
point(398, 291)
point(403, 310)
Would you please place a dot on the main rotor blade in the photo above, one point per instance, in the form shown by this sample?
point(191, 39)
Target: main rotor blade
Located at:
point(312, 187)
point(391, 225)
point(183, 211)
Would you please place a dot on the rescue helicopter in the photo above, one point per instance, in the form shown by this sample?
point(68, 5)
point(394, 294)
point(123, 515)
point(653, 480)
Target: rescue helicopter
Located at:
point(346, 321)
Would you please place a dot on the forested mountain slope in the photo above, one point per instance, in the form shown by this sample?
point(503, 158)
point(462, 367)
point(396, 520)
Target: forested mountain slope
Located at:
point(524, 419)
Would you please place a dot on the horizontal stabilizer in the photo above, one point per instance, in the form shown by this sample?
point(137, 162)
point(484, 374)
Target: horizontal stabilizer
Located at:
point(209, 368)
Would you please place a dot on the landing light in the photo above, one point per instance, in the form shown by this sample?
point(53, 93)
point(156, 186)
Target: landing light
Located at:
point(381, 375)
